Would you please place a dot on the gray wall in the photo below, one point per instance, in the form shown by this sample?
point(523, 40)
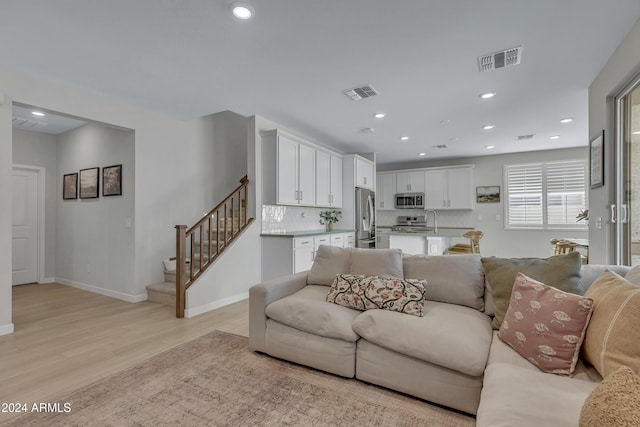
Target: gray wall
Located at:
point(94, 245)
point(39, 149)
point(619, 71)
point(489, 217)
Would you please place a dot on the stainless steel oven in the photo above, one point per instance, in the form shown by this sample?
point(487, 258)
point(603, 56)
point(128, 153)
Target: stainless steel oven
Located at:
point(409, 201)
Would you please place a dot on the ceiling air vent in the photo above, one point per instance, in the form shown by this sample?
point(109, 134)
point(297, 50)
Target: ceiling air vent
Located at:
point(525, 137)
point(26, 124)
point(361, 92)
point(501, 59)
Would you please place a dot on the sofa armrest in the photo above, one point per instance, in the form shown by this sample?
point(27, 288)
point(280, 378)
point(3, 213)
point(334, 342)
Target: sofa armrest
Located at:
point(263, 294)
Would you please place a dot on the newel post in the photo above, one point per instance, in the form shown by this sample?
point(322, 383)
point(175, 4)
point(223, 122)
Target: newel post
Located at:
point(181, 234)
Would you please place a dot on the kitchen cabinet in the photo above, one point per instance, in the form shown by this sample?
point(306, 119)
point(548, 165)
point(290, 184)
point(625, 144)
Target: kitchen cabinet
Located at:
point(296, 172)
point(385, 191)
point(449, 188)
point(364, 173)
point(410, 182)
point(286, 254)
point(328, 180)
point(382, 241)
point(302, 254)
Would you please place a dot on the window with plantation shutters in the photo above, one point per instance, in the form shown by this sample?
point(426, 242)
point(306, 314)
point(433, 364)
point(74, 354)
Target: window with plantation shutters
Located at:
point(545, 195)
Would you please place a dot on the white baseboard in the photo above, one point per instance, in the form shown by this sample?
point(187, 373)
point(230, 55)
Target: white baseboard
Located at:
point(6, 329)
point(107, 292)
point(48, 280)
point(192, 312)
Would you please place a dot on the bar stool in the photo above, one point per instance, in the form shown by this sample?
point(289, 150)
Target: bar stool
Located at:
point(473, 247)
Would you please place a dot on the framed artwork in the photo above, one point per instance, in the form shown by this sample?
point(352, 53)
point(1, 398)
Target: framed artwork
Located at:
point(596, 161)
point(112, 181)
point(70, 186)
point(488, 194)
point(89, 183)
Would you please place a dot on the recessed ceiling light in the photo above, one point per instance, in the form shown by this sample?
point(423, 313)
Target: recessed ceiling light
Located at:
point(37, 113)
point(488, 127)
point(379, 115)
point(554, 137)
point(489, 147)
point(242, 10)
point(422, 154)
point(567, 120)
point(404, 138)
point(488, 95)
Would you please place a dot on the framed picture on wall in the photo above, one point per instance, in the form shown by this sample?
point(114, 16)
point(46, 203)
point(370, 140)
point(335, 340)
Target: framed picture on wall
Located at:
point(112, 181)
point(488, 194)
point(70, 186)
point(596, 161)
point(89, 183)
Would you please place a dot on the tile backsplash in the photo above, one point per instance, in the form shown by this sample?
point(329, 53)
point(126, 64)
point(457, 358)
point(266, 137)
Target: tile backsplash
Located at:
point(445, 218)
point(290, 218)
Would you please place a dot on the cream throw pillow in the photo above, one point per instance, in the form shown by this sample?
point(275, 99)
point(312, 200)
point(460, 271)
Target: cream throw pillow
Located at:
point(613, 335)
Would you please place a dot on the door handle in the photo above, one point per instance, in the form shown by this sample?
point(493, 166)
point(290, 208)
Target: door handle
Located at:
point(614, 218)
point(625, 214)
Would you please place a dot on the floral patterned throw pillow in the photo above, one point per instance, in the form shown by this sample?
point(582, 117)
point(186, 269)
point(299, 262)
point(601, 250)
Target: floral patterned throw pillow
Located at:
point(546, 325)
point(372, 292)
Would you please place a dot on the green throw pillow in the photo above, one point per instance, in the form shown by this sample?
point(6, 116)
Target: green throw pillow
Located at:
point(560, 271)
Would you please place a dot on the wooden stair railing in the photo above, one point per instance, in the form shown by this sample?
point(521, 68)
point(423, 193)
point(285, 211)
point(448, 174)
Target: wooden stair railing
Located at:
point(198, 247)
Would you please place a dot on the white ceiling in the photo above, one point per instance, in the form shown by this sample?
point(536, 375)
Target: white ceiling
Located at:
point(291, 62)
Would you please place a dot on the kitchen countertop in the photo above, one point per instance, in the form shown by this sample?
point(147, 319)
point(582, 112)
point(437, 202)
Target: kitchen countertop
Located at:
point(442, 232)
point(305, 233)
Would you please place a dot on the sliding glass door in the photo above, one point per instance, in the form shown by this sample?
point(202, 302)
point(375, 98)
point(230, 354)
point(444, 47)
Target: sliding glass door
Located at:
point(626, 211)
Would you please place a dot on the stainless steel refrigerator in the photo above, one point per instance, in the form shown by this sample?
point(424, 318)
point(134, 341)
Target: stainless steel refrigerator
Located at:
point(365, 218)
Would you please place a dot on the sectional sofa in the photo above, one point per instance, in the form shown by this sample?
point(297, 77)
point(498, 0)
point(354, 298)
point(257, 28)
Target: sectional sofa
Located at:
point(450, 355)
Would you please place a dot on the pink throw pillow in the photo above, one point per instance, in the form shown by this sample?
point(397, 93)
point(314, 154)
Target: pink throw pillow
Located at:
point(546, 325)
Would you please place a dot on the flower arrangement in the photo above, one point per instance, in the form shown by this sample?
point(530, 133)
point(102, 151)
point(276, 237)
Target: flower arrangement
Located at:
point(329, 218)
point(583, 214)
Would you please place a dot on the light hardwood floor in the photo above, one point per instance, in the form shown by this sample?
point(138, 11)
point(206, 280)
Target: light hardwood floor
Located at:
point(66, 338)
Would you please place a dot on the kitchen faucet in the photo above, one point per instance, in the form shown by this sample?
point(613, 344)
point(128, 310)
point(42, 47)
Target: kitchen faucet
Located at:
point(435, 219)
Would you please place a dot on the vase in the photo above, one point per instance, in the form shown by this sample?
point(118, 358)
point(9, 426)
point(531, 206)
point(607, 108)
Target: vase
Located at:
point(329, 226)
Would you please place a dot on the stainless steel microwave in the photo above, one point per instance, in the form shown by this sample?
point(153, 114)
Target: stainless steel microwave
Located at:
point(409, 201)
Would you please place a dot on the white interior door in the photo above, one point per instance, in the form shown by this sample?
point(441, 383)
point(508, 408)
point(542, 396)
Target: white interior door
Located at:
point(25, 227)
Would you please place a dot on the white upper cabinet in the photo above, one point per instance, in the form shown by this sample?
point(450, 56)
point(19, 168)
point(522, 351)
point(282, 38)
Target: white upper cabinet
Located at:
point(364, 173)
point(461, 189)
point(298, 172)
point(336, 181)
point(385, 191)
point(449, 188)
point(328, 179)
point(287, 171)
point(410, 182)
point(306, 175)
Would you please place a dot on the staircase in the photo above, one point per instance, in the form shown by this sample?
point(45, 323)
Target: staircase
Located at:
point(198, 247)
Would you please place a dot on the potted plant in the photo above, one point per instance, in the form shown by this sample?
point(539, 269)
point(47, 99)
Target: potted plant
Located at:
point(329, 218)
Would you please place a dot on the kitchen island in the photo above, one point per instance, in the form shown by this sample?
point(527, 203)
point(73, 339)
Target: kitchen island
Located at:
point(427, 242)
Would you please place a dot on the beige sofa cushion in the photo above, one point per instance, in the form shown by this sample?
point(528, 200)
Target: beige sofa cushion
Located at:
point(448, 335)
point(615, 402)
point(377, 262)
point(328, 262)
point(515, 396)
point(613, 336)
point(308, 311)
point(561, 271)
point(456, 279)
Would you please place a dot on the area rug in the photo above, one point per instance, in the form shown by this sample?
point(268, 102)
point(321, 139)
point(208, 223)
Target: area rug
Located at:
point(215, 380)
